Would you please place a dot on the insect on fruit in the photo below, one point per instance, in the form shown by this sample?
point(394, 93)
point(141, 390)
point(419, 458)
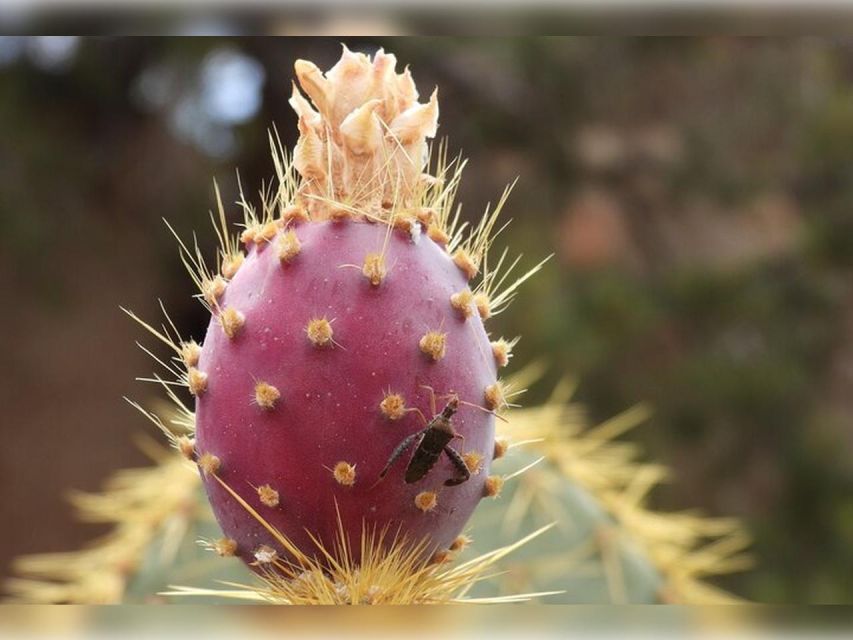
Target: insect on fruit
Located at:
point(431, 441)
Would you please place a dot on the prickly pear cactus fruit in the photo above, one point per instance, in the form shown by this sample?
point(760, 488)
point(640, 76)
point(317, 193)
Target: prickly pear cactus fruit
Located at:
point(348, 340)
point(307, 399)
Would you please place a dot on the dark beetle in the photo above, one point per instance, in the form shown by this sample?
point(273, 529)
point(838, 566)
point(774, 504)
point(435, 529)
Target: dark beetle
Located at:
point(431, 442)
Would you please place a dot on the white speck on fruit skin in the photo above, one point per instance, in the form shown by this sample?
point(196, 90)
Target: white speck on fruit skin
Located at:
point(415, 232)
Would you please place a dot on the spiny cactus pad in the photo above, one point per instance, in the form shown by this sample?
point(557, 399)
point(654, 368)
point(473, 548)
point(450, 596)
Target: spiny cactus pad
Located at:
point(285, 402)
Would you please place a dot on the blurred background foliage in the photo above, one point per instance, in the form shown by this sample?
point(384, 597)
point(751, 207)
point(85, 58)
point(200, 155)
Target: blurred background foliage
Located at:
point(696, 193)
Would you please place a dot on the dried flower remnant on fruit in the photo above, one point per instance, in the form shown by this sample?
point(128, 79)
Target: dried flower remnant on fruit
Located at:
point(344, 473)
point(393, 406)
point(380, 133)
point(266, 395)
point(433, 344)
point(360, 129)
point(268, 496)
point(426, 501)
point(319, 332)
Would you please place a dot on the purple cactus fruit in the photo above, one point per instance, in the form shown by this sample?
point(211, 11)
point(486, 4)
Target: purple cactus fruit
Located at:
point(316, 389)
point(349, 326)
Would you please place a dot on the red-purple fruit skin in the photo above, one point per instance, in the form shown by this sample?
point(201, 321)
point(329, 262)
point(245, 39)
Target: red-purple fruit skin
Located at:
point(329, 406)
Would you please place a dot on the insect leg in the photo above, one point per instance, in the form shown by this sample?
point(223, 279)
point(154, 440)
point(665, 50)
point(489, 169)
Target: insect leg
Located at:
point(462, 472)
point(419, 412)
point(405, 444)
point(431, 397)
